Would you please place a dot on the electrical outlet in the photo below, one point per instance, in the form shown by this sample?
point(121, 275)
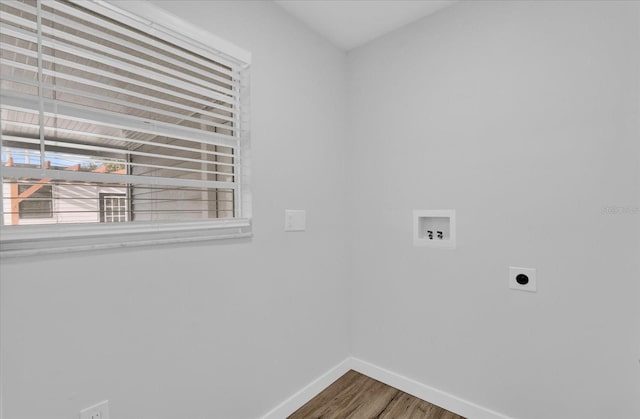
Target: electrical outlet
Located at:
point(523, 279)
point(97, 411)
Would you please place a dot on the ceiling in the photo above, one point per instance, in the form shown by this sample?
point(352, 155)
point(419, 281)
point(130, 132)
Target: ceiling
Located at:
point(351, 23)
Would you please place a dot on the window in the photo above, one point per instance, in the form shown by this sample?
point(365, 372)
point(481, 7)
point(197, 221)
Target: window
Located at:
point(121, 121)
point(34, 200)
point(113, 208)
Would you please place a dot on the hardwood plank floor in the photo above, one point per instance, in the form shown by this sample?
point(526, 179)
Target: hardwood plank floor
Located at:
point(356, 396)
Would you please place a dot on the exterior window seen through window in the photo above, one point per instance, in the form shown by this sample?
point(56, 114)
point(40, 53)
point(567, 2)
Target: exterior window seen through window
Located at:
point(113, 208)
point(34, 199)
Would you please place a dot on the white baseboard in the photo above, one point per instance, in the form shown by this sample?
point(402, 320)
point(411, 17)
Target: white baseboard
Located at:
point(422, 391)
point(307, 393)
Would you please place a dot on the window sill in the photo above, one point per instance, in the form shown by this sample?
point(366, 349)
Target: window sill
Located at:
point(63, 238)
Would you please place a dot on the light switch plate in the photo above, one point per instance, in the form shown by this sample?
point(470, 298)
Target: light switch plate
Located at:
point(530, 273)
point(295, 220)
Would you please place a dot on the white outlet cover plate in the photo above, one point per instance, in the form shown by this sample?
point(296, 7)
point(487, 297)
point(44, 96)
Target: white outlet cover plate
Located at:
point(531, 286)
point(97, 411)
point(295, 220)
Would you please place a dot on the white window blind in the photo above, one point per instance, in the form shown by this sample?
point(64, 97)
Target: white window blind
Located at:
point(95, 102)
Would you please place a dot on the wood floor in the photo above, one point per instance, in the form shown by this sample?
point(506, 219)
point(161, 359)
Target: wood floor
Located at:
point(356, 396)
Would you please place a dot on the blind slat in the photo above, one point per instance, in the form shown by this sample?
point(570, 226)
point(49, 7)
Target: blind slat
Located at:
point(32, 81)
point(183, 66)
point(113, 119)
point(85, 147)
point(136, 47)
point(121, 64)
point(22, 172)
point(177, 45)
point(93, 71)
point(136, 142)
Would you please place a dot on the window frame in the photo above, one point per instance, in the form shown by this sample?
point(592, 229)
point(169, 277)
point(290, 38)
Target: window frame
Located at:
point(28, 240)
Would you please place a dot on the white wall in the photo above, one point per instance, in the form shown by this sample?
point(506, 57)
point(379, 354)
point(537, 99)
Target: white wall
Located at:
point(224, 330)
point(524, 117)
